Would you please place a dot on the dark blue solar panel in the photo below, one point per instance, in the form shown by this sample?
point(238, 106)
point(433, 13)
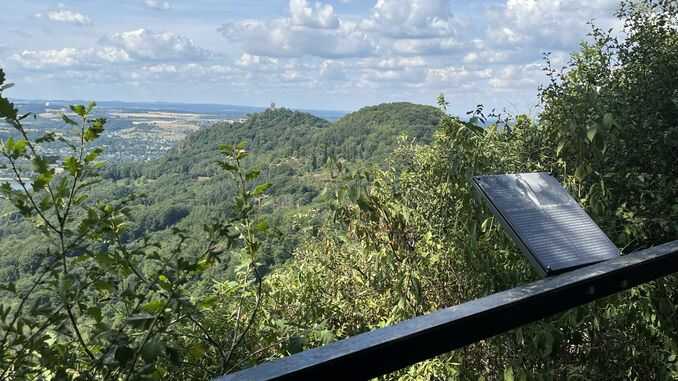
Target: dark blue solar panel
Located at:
point(548, 225)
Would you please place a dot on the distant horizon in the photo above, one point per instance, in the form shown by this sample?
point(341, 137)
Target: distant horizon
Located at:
point(103, 102)
point(248, 106)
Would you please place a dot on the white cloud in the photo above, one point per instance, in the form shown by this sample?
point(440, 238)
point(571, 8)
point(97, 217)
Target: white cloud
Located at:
point(280, 38)
point(248, 60)
point(489, 56)
point(65, 16)
point(411, 18)
point(185, 72)
point(407, 75)
point(390, 49)
point(397, 63)
point(144, 44)
point(252, 63)
point(332, 70)
point(133, 47)
point(69, 58)
point(310, 30)
point(432, 46)
point(404, 27)
point(547, 24)
point(157, 4)
point(318, 16)
point(517, 76)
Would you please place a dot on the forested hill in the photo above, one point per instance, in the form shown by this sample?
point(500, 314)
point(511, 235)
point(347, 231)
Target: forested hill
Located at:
point(186, 187)
point(368, 134)
point(274, 131)
point(292, 149)
point(372, 132)
point(210, 260)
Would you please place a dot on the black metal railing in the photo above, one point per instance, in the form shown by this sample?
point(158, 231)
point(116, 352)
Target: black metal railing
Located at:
point(388, 349)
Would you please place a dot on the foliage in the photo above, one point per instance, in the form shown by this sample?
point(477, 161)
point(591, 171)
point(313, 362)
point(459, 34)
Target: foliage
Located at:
point(411, 238)
point(370, 245)
point(101, 308)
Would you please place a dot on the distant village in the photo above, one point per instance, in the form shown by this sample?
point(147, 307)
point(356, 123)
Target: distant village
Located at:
point(131, 135)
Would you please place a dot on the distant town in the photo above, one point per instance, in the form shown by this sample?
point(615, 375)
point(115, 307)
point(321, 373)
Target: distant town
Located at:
point(134, 131)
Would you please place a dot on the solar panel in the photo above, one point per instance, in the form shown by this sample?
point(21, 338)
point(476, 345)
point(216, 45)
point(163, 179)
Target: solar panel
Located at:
point(548, 225)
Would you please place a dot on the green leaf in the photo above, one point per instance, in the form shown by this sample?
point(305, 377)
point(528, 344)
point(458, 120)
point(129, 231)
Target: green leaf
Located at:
point(241, 154)
point(196, 351)
point(68, 120)
point(80, 199)
point(102, 285)
point(226, 149)
point(253, 174)
point(261, 225)
point(581, 172)
point(152, 350)
point(560, 147)
point(261, 188)
point(591, 132)
point(46, 138)
point(41, 181)
point(364, 203)
point(95, 313)
point(204, 264)
point(15, 148)
point(79, 110)
point(164, 282)
point(40, 164)
point(228, 166)
point(20, 148)
point(6, 189)
point(90, 106)
point(72, 166)
point(508, 374)
point(609, 120)
point(93, 155)
point(326, 336)
point(209, 301)
point(7, 109)
point(94, 130)
point(154, 306)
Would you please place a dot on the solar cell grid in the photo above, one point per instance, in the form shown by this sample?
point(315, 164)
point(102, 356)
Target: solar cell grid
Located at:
point(548, 225)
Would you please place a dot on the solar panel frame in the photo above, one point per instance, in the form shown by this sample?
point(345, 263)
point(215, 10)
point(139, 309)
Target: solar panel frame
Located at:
point(547, 224)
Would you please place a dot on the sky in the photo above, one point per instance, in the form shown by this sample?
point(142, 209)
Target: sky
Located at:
point(332, 55)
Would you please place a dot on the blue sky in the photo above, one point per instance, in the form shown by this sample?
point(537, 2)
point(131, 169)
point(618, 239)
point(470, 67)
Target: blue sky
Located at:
point(341, 54)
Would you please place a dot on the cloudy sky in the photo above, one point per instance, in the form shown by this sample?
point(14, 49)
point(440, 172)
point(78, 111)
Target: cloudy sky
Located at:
point(339, 55)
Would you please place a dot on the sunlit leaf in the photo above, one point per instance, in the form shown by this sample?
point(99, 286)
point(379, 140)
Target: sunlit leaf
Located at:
point(261, 188)
point(72, 166)
point(79, 110)
point(154, 306)
point(591, 132)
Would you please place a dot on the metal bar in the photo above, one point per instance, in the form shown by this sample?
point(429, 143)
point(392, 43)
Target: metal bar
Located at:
point(388, 349)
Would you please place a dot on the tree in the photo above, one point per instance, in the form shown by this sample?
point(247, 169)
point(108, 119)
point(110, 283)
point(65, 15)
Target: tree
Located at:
point(101, 307)
point(411, 238)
